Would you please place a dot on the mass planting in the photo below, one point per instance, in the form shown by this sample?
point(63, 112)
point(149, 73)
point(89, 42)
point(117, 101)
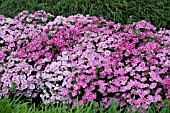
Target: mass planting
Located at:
point(84, 58)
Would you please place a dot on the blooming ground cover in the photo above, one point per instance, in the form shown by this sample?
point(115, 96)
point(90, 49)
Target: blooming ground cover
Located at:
point(84, 58)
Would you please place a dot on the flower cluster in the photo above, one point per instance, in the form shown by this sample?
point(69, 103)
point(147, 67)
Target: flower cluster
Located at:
point(127, 67)
point(84, 57)
point(29, 45)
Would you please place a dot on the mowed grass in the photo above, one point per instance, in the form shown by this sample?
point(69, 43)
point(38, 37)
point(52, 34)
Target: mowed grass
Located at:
point(155, 11)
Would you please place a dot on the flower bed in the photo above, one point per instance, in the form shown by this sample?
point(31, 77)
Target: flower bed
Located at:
point(85, 58)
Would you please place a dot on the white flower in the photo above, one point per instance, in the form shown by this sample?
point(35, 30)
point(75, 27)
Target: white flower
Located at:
point(66, 73)
point(58, 98)
point(60, 77)
point(48, 84)
point(65, 57)
point(64, 63)
point(64, 53)
point(58, 57)
point(59, 72)
point(56, 87)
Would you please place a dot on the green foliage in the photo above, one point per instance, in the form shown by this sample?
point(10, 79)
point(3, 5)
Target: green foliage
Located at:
point(155, 11)
point(13, 86)
point(5, 106)
point(17, 106)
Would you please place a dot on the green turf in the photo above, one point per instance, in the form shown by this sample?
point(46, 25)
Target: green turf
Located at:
point(155, 11)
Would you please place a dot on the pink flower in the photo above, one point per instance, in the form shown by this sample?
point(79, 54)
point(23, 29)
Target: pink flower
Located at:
point(23, 86)
point(135, 40)
point(163, 71)
point(74, 93)
point(142, 64)
point(74, 31)
point(76, 87)
point(48, 55)
point(136, 60)
point(166, 81)
point(125, 88)
point(150, 98)
point(75, 37)
point(22, 54)
point(152, 74)
point(108, 31)
point(127, 53)
point(107, 53)
point(10, 64)
point(152, 85)
point(44, 19)
point(157, 98)
point(81, 102)
point(30, 78)
point(143, 79)
point(158, 91)
point(91, 97)
point(60, 43)
point(112, 89)
point(122, 103)
point(64, 91)
point(2, 54)
point(160, 104)
point(153, 68)
point(141, 85)
point(142, 67)
point(32, 86)
point(46, 30)
point(154, 61)
point(117, 26)
point(145, 106)
point(135, 52)
point(121, 71)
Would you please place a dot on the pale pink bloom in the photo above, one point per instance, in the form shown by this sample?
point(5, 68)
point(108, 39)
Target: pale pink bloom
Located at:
point(107, 53)
point(152, 85)
point(157, 98)
point(144, 106)
point(143, 79)
point(158, 91)
point(30, 78)
point(153, 68)
point(81, 102)
point(23, 86)
point(76, 87)
point(32, 86)
point(128, 69)
point(91, 97)
point(152, 74)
